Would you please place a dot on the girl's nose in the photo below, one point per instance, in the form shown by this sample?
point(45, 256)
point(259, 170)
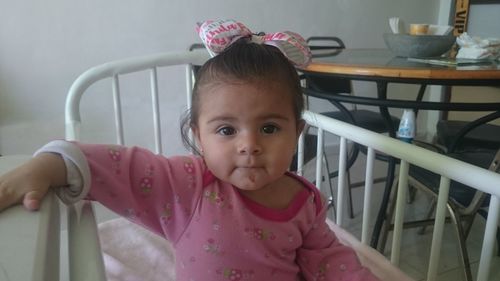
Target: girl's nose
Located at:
point(249, 144)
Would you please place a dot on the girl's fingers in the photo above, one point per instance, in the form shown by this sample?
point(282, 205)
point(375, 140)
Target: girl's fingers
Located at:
point(4, 202)
point(7, 198)
point(32, 200)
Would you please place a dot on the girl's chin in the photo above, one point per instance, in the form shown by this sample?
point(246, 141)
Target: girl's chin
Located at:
point(252, 184)
point(253, 178)
point(248, 185)
point(249, 178)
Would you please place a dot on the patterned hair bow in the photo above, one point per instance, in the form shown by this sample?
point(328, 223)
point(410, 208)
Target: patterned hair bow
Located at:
point(218, 35)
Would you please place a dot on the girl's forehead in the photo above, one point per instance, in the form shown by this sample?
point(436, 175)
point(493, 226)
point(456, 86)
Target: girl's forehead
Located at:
point(250, 82)
point(265, 90)
point(242, 95)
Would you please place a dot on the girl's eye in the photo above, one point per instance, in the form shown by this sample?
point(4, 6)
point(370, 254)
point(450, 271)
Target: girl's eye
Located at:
point(226, 131)
point(270, 129)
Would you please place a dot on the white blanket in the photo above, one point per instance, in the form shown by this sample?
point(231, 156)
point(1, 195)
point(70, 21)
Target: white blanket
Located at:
point(133, 253)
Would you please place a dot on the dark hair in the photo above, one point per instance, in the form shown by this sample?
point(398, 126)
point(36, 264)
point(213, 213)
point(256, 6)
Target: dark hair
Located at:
point(248, 62)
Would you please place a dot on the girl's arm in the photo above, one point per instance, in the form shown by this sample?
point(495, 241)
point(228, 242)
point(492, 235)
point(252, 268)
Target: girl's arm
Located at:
point(30, 182)
point(157, 192)
point(154, 191)
point(323, 257)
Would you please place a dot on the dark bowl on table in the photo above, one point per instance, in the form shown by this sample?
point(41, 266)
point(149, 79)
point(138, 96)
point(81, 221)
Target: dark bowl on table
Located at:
point(418, 46)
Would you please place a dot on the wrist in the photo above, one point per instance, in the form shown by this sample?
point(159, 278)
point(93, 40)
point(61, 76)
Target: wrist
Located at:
point(53, 168)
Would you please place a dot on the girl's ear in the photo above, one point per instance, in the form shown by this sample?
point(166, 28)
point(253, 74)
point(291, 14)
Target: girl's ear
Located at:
point(196, 136)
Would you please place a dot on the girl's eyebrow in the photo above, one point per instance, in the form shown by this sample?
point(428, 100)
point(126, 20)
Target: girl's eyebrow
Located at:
point(221, 119)
point(275, 116)
point(263, 117)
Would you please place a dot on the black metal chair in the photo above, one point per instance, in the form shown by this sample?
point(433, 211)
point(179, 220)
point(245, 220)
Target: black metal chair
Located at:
point(462, 135)
point(371, 120)
point(463, 204)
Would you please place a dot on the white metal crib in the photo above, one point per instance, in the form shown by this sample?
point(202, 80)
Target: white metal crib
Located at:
point(85, 261)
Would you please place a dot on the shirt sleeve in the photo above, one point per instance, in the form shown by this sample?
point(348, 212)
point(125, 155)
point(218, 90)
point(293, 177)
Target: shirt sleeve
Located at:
point(154, 191)
point(323, 257)
point(77, 170)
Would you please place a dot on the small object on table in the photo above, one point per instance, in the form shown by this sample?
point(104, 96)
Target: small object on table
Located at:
point(477, 48)
point(406, 130)
point(419, 29)
point(397, 25)
point(418, 46)
point(452, 62)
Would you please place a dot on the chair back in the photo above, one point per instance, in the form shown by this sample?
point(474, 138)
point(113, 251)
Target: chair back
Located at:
point(327, 46)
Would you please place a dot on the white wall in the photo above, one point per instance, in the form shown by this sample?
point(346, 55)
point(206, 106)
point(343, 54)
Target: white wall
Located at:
point(45, 45)
point(484, 21)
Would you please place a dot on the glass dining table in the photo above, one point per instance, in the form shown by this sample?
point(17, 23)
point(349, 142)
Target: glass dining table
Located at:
point(382, 67)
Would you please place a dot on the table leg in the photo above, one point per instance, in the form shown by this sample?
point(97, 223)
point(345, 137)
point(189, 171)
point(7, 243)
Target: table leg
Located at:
point(420, 96)
point(381, 216)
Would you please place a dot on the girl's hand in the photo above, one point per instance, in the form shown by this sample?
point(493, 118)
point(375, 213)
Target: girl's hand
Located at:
point(30, 182)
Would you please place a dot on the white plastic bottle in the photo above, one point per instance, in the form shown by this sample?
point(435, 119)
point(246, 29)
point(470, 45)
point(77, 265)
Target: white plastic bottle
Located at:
point(406, 130)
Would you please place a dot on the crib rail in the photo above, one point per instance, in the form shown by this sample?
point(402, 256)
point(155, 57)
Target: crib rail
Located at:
point(84, 252)
point(114, 70)
point(82, 220)
point(449, 169)
point(85, 258)
point(29, 241)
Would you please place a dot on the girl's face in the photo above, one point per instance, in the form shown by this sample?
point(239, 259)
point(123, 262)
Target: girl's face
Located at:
point(247, 132)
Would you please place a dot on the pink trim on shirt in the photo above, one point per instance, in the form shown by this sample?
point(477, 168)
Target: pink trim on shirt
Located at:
point(207, 178)
point(312, 188)
point(277, 214)
point(281, 215)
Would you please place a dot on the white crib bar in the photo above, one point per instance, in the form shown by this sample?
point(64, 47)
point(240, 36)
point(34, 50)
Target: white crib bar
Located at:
point(341, 187)
point(72, 130)
point(110, 69)
point(48, 241)
point(300, 154)
point(118, 110)
point(370, 158)
point(399, 214)
point(156, 110)
point(189, 91)
point(319, 158)
point(433, 161)
point(29, 241)
point(489, 239)
point(447, 167)
point(189, 84)
point(84, 250)
point(437, 234)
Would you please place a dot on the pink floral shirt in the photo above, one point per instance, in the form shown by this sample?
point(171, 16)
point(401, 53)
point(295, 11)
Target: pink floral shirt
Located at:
point(217, 233)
